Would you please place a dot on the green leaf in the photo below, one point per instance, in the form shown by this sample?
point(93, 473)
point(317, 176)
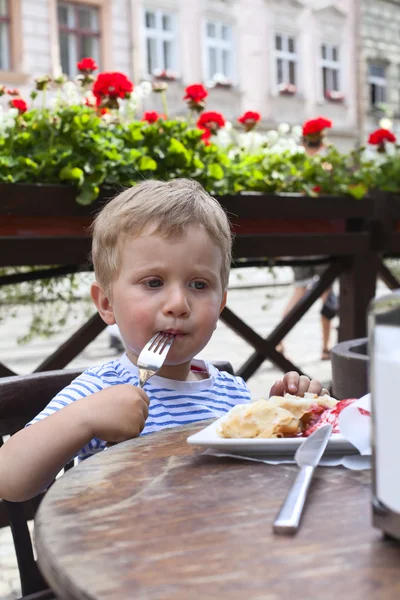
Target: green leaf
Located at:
point(176, 147)
point(28, 162)
point(136, 135)
point(197, 163)
point(87, 195)
point(134, 154)
point(215, 171)
point(74, 174)
point(358, 191)
point(146, 163)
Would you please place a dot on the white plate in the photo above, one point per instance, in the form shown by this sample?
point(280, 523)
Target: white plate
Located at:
point(209, 438)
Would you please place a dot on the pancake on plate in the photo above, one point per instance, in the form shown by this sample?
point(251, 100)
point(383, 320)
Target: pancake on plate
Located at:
point(286, 416)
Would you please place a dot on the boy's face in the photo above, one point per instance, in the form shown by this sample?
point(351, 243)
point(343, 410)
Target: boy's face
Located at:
point(171, 285)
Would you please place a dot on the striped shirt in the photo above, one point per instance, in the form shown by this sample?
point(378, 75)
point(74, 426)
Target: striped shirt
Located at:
point(172, 402)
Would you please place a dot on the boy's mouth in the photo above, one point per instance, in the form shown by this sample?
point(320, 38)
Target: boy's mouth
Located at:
point(177, 333)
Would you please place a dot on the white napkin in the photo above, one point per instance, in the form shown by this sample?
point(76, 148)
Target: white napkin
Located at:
point(354, 425)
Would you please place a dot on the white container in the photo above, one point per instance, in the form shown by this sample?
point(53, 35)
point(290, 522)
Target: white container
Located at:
point(384, 349)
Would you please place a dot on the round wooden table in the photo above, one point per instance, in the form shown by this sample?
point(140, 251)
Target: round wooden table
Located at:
point(154, 518)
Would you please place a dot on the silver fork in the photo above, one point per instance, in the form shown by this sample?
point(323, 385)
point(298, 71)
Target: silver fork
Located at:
point(153, 355)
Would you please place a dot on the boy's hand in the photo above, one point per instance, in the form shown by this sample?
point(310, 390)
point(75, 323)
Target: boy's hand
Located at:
point(117, 413)
point(298, 385)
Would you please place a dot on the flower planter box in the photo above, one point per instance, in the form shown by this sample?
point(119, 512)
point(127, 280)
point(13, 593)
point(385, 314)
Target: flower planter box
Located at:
point(47, 224)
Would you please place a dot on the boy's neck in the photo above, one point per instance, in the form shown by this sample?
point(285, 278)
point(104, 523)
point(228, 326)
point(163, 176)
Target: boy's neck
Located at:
point(177, 372)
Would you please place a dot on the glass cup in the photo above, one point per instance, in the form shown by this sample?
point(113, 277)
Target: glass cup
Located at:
point(384, 350)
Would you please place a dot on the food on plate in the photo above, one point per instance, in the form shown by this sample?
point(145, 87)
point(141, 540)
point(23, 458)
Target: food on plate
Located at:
point(330, 417)
point(286, 416)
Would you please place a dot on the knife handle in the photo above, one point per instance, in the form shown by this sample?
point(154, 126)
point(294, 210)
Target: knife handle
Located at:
point(288, 518)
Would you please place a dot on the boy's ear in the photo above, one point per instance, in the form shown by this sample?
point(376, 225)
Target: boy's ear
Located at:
point(102, 303)
point(223, 303)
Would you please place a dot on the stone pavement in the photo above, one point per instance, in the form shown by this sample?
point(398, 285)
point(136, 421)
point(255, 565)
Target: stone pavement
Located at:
point(260, 307)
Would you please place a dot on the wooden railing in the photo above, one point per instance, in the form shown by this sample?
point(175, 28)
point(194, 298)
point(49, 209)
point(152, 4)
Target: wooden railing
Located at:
point(42, 224)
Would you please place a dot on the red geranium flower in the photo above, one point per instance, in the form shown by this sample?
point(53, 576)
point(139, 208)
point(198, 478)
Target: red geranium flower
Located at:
point(20, 104)
point(316, 126)
point(195, 96)
point(195, 92)
point(87, 65)
point(317, 189)
point(110, 86)
point(206, 136)
point(380, 136)
point(152, 116)
point(249, 119)
point(211, 120)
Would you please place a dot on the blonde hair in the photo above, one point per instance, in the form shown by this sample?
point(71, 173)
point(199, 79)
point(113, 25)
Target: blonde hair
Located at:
point(167, 207)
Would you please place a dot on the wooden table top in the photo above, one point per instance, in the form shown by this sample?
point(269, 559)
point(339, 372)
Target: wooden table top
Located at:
point(154, 519)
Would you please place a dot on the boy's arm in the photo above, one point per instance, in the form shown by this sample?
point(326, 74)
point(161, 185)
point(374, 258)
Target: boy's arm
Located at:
point(31, 458)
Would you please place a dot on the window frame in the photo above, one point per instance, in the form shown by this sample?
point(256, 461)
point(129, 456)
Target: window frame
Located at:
point(286, 57)
point(220, 45)
point(160, 36)
point(7, 21)
point(331, 65)
point(105, 17)
point(380, 82)
point(78, 32)
point(14, 73)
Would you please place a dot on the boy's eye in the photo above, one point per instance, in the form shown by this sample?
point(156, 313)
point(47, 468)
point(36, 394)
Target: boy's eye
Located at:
point(154, 283)
point(198, 285)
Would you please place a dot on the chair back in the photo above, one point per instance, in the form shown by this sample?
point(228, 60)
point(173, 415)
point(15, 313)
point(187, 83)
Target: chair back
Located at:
point(21, 399)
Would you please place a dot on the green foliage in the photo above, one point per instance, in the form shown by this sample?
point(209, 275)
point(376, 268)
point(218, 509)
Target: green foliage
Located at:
point(74, 145)
point(52, 302)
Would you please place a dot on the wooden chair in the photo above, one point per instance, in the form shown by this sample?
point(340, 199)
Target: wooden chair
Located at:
point(21, 399)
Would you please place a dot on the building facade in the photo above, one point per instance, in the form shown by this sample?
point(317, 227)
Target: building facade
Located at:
point(379, 65)
point(291, 60)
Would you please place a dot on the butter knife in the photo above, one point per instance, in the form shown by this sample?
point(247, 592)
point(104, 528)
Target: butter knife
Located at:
point(307, 456)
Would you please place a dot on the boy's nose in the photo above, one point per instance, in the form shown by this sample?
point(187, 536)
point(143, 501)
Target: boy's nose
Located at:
point(176, 303)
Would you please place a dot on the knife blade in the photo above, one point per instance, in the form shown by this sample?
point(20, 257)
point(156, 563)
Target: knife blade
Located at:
point(307, 456)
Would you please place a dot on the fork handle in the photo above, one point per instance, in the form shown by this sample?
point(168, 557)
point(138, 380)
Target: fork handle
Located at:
point(288, 519)
point(144, 375)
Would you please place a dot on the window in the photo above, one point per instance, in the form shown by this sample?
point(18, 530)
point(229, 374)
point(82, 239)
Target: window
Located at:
point(286, 59)
point(79, 33)
point(219, 50)
point(330, 69)
point(4, 35)
point(160, 38)
point(376, 84)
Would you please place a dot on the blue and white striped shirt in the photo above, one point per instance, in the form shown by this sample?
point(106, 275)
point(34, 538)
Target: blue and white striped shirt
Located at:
point(172, 402)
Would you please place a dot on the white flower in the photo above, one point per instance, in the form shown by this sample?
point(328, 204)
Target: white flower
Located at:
point(145, 87)
point(12, 113)
point(283, 128)
point(251, 142)
point(91, 98)
point(52, 103)
point(222, 138)
point(71, 93)
point(272, 136)
point(7, 120)
point(371, 154)
point(297, 131)
point(390, 148)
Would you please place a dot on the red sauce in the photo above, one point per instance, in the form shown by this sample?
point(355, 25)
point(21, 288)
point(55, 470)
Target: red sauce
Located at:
point(330, 416)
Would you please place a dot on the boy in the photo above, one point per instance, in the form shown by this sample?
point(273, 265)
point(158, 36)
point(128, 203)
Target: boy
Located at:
point(161, 255)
